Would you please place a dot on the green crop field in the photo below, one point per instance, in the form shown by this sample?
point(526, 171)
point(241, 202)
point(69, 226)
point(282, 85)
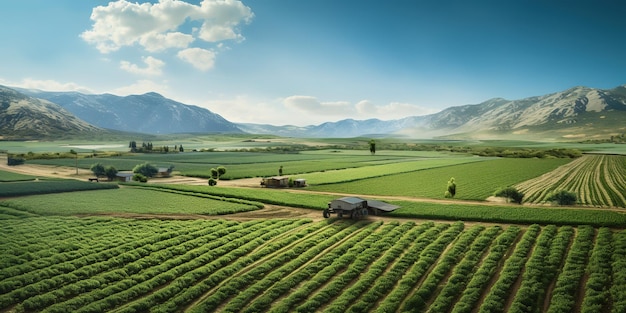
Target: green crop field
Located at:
point(23, 188)
point(475, 181)
point(359, 173)
point(127, 200)
point(598, 180)
point(98, 264)
point(12, 177)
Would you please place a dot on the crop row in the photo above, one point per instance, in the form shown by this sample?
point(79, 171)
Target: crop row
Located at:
point(502, 289)
point(563, 298)
point(197, 270)
point(347, 267)
point(598, 180)
point(106, 267)
point(618, 288)
point(365, 269)
point(419, 299)
point(335, 265)
point(471, 295)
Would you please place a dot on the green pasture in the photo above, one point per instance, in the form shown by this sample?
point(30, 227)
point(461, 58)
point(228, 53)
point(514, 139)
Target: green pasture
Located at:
point(376, 171)
point(475, 181)
point(32, 187)
point(124, 200)
point(524, 215)
point(12, 177)
point(251, 164)
point(264, 195)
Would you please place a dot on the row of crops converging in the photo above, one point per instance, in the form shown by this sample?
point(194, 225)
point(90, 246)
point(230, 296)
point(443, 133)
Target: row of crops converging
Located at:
point(105, 264)
point(597, 180)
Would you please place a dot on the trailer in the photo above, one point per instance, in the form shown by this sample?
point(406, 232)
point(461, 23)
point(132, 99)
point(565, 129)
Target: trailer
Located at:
point(356, 207)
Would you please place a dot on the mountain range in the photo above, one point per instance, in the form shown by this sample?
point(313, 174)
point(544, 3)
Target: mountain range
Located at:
point(576, 113)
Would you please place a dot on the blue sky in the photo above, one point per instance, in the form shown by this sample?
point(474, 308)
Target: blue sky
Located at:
point(311, 61)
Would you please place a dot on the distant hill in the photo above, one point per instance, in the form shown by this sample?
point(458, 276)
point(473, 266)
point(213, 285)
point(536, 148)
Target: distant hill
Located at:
point(579, 112)
point(24, 117)
point(149, 113)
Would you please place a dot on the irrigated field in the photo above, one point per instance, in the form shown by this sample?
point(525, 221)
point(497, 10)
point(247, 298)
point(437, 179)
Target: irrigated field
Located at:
point(475, 180)
point(598, 180)
point(254, 164)
point(66, 264)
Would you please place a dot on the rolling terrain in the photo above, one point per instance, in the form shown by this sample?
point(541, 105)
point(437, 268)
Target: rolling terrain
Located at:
point(579, 113)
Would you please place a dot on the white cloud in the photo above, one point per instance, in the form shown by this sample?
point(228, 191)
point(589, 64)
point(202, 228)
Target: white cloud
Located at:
point(48, 85)
point(154, 41)
point(310, 104)
point(316, 110)
point(221, 18)
point(154, 26)
point(153, 67)
point(393, 110)
point(141, 87)
point(201, 59)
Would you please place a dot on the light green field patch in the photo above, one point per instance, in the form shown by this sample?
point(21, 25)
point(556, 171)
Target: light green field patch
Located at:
point(353, 174)
point(123, 200)
point(475, 181)
point(10, 176)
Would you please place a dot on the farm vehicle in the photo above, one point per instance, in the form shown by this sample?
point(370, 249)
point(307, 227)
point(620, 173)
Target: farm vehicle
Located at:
point(357, 207)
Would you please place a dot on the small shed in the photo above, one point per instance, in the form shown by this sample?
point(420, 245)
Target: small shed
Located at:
point(165, 171)
point(124, 176)
point(348, 203)
point(300, 182)
point(276, 181)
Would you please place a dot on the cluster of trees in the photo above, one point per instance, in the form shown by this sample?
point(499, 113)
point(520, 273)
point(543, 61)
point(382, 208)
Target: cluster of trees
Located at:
point(141, 171)
point(147, 147)
point(110, 172)
point(216, 173)
point(561, 197)
point(621, 138)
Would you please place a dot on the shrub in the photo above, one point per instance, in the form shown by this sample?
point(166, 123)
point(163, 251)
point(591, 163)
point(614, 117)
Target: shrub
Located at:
point(563, 197)
point(140, 178)
point(451, 189)
point(510, 193)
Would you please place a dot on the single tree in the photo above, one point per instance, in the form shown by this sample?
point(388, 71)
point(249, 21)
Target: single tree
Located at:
point(563, 197)
point(372, 146)
point(98, 169)
point(510, 193)
point(280, 171)
point(221, 171)
point(181, 149)
point(110, 172)
point(214, 173)
point(451, 192)
point(75, 159)
point(212, 181)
